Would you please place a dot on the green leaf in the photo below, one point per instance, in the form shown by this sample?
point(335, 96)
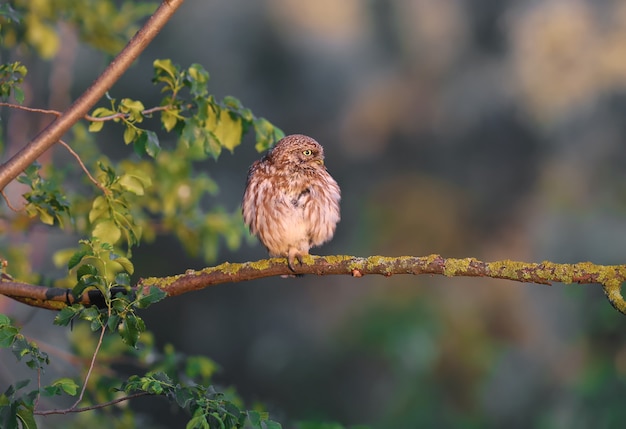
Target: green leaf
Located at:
point(21, 384)
point(148, 144)
point(212, 145)
point(133, 108)
point(266, 134)
point(67, 314)
point(246, 115)
point(183, 396)
point(197, 79)
point(18, 93)
point(45, 217)
point(95, 126)
point(122, 279)
point(165, 71)
point(255, 419)
point(113, 322)
point(86, 270)
point(132, 184)
point(11, 76)
point(8, 333)
point(67, 385)
point(229, 130)
point(22, 348)
point(107, 231)
point(152, 144)
point(129, 134)
point(155, 294)
point(27, 419)
point(76, 258)
point(101, 112)
point(193, 134)
point(232, 102)
point(4, 320)
point(169, 118)
point(130, 329)
point(125, 263)
point(198, 421)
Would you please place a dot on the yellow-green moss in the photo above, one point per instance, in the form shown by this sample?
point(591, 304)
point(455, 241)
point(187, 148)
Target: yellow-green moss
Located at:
point(261, 265)
point(431, 259)
point(336, 259)
point(509, 269)
point(373, 262)
point(612, 289)
point(453, 267)
point(228, 268)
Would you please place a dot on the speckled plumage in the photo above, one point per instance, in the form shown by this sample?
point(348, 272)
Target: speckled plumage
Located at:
point(291, 202)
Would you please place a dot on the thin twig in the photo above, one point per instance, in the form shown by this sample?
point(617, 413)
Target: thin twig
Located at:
point(91, 365)
point(82, 165)
point(36, 402)
point(31, 109)
point(119, 115)
point(6, 200)
point(92, 407)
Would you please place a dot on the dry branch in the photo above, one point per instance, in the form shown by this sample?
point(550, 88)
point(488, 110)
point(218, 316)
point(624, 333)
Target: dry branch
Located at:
point(610, 277)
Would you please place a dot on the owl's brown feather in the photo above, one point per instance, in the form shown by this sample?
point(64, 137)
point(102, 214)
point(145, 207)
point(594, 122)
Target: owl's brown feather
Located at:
point(291, 202)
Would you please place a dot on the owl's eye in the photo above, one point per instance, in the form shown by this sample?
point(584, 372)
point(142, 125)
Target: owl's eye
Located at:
point(307, 152)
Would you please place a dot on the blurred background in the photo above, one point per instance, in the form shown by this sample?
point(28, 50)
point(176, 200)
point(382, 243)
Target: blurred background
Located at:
point(486, 128)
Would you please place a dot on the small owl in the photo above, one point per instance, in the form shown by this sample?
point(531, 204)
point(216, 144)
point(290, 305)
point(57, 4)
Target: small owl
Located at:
point(291, 202)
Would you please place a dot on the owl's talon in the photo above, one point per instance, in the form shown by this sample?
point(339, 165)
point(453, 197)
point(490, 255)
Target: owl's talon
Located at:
point(292, 258)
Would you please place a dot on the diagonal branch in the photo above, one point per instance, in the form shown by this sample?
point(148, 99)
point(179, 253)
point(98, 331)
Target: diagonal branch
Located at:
point(610, 277)
point(54, 132)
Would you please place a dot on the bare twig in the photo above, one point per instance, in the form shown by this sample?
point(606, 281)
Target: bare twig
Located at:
point(56, 113)
point(82, 165)
point(609, 276)
point(6, 200)
point(91, 365)
point(73, 408)
point(54, 132)
point(36, 402)
point(92, 407)
point(31, 109)
point(120, 115)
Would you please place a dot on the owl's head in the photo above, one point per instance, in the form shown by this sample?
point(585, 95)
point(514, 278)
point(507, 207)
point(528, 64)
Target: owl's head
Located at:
point(298, 150)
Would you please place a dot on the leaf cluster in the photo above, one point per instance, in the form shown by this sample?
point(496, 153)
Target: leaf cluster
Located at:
point(185, 381)
point(101, 24)
point(11, 77)
point(17, 406)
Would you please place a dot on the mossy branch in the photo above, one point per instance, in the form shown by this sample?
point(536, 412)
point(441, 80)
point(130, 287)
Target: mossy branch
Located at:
point(610, 277)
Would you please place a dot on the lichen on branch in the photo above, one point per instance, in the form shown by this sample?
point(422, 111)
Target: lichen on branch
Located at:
point(610, 277)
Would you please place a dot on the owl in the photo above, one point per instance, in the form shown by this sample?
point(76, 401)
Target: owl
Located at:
point(291, 202)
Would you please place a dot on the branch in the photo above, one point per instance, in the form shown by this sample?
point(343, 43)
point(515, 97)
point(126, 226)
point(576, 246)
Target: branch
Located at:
point(91, 407)
point(84, 167)
point(610, 277)
point(54, 132)
point(119, 115)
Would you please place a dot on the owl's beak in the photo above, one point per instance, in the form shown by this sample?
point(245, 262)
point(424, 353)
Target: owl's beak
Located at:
point(320, 161)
